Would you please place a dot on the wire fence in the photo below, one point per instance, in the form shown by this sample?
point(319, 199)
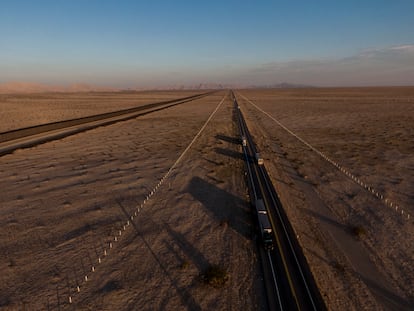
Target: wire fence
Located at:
point(388, 202)
point(86, 264)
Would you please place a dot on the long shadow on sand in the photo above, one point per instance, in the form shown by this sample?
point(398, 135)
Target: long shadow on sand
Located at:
point(230, 153)
point(225, 207)
point(325, 219)
point(389, 299)
point(190, 252)
point(232, 140)
point(364, 268)
point(185, 296)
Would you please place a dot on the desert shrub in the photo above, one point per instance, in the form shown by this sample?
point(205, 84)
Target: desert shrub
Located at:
point(110, 286)
point(12, 262)
point(215, 276)
point(224, 223)
point(351, 195)
point(358, 231)
point(4, 301)
point(184, 265)
point(340, 268)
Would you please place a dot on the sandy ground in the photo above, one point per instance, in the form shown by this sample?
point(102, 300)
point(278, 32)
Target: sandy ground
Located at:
point(370, 133)
point(24, 110)
point(63, 202)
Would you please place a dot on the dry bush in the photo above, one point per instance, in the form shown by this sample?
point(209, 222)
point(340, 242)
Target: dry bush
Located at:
point(184, 265)
point(215, 276)
point(224, 223)
point(340, 268)
point(358, 231)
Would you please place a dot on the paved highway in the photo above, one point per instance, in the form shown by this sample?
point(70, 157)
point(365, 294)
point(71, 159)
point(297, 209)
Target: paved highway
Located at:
point(290, 284)
point(34, 135)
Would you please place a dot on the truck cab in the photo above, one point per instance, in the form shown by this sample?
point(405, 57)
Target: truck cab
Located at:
point(260, 207)
point(266, 231)
point(244, 141)
point(259, 159)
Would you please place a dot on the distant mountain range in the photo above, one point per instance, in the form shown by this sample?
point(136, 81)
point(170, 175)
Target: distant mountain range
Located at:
point(29, 87)
point(218, 86)
point(284, 85)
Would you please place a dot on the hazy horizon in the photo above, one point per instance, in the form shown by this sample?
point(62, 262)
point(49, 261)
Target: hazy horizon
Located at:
point(134, 44)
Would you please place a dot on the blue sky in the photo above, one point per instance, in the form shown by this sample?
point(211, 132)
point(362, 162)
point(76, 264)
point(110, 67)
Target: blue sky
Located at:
point(161, 43)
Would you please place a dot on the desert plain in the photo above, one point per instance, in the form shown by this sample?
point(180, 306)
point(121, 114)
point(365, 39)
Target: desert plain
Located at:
point(66, 205)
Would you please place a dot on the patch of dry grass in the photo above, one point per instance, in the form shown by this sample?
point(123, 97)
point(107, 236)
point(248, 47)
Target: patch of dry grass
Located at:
point(215, 276)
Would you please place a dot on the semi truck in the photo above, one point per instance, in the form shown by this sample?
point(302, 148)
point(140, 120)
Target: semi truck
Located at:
point(259, 159)
point(244, 141)
point(264, 225)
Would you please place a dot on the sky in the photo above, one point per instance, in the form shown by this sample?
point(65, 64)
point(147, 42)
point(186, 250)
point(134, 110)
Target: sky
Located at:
point(136, 44)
